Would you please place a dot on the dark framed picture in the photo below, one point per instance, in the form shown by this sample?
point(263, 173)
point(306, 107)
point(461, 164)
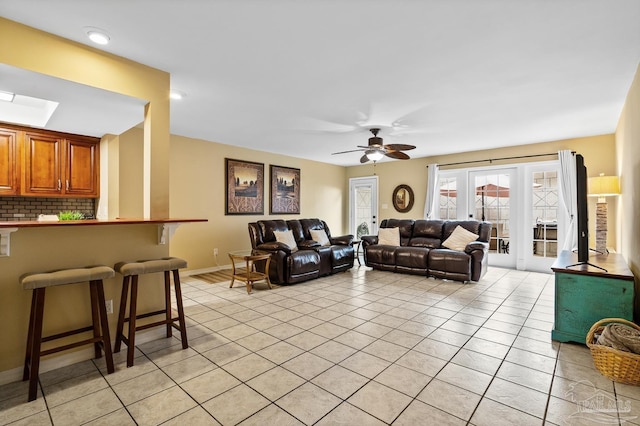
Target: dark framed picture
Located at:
point(285, 190)
point(245, 187)
point(403, 198)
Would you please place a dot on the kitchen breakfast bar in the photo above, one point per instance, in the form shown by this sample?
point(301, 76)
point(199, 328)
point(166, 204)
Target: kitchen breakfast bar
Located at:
point(33, 246)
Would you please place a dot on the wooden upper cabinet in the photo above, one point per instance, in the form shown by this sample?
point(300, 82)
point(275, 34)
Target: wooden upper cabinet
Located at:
point(81, 168)
point(42, 165)
point(9, 162)
point(48, 164)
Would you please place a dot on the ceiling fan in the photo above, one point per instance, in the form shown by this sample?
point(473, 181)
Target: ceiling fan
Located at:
point(376, 149)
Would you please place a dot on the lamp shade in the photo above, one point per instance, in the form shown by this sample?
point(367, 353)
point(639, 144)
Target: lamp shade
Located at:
point(604, 186)
point(374, 154)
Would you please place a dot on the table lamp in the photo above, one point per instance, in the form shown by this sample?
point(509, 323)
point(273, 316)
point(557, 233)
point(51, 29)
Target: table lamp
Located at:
point(602, 186)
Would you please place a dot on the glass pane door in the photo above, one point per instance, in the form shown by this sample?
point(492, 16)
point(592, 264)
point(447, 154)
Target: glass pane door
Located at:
point(363, 206)
point(491, 195)
point(544, 229)
point(545, 210)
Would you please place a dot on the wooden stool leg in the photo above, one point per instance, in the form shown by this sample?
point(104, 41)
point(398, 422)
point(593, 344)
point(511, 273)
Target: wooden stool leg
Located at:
point(104, 322)
point(167, 303)
point(121, 313)
point(131, 344)
point(95, 318)
point(181, 320)
point(36, 343)
point(27, 356)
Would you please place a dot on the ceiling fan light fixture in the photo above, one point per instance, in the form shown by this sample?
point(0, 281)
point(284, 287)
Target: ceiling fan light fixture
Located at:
point(375, 140)
point(374, 154)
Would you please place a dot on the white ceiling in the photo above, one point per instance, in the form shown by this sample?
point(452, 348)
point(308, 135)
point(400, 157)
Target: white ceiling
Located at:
point(309, 77)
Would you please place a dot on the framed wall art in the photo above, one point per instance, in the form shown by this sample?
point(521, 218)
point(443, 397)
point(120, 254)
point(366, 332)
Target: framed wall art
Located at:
point(403, 198)
point(285, 190)
point(245, 187)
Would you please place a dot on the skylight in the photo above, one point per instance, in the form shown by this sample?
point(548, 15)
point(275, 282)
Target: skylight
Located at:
point(27, 110)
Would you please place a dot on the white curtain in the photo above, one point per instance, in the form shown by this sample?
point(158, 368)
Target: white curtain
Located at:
point(568, 195)
point(432, 190)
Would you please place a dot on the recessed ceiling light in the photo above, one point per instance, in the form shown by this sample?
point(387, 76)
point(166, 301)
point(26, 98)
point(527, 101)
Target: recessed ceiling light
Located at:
point(174, 94)
point(6, 96)
point(97, 35)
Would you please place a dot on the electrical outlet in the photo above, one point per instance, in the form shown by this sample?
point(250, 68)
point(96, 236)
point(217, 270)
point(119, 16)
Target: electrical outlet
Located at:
point(109, 305)
point(215, 251)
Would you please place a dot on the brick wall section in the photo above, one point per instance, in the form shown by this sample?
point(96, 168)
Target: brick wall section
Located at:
point(28, 208)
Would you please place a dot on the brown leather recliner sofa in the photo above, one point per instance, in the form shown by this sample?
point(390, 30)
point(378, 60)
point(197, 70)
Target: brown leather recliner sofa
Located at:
point(421, 252)
point(310, 260)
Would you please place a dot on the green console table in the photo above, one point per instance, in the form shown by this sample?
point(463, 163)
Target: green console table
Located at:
point(585, 295)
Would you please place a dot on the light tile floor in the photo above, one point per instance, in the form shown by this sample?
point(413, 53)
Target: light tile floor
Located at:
point(358, 348)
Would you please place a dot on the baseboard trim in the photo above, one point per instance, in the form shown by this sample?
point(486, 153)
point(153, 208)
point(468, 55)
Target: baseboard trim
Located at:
point(204, 270)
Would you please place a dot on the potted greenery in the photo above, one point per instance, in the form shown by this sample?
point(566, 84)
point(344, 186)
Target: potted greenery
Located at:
point(70, 215)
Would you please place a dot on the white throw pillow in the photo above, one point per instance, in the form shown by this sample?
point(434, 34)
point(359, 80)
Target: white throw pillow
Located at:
point(389, 236)
point(286, 237)
point(320, 236)
point(459, 239)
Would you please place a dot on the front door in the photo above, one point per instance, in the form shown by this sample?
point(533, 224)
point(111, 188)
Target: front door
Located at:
point(363, 206)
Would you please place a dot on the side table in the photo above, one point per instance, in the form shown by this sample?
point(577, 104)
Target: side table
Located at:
point(356, 244)
point(250, 275)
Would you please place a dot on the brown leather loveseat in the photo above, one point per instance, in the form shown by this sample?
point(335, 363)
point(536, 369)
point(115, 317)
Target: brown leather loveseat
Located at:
point(421, 252)
point(309, 259)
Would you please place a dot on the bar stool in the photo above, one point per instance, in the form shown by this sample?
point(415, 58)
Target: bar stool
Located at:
point(38, 282)
point(130, 272)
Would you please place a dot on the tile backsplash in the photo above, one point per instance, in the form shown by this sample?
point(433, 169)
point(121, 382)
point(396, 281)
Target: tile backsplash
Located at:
point(28, 208)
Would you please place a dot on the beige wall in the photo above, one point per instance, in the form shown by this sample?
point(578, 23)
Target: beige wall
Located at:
point(130, 188)
point(198, 190)
point(598, 151)
point(628, 168)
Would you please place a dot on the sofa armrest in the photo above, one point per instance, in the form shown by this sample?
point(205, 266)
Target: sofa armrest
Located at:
point(274, 246)
point(305, 244)
point(344, 240)
point(369, 240)
point(276, 266)
point(476, 245)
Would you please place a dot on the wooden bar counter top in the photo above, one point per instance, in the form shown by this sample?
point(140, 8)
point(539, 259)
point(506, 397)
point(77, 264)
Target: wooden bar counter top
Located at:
point(93, 222)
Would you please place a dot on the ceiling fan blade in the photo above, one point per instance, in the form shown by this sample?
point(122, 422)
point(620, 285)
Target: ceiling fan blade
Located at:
point(399, 147)
point(397, 155)
point(345, 152)
point(364, 159)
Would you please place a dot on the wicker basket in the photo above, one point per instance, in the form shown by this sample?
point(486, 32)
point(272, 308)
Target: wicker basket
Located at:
point(619, 366)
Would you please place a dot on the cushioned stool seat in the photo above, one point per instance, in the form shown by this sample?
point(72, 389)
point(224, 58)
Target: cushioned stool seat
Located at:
point(39, 282)
point(130, 272)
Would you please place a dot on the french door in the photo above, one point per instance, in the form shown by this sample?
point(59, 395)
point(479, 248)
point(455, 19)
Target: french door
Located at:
point(545, 225)
point(492, 195)
point(522, 203)
point(363, 206)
